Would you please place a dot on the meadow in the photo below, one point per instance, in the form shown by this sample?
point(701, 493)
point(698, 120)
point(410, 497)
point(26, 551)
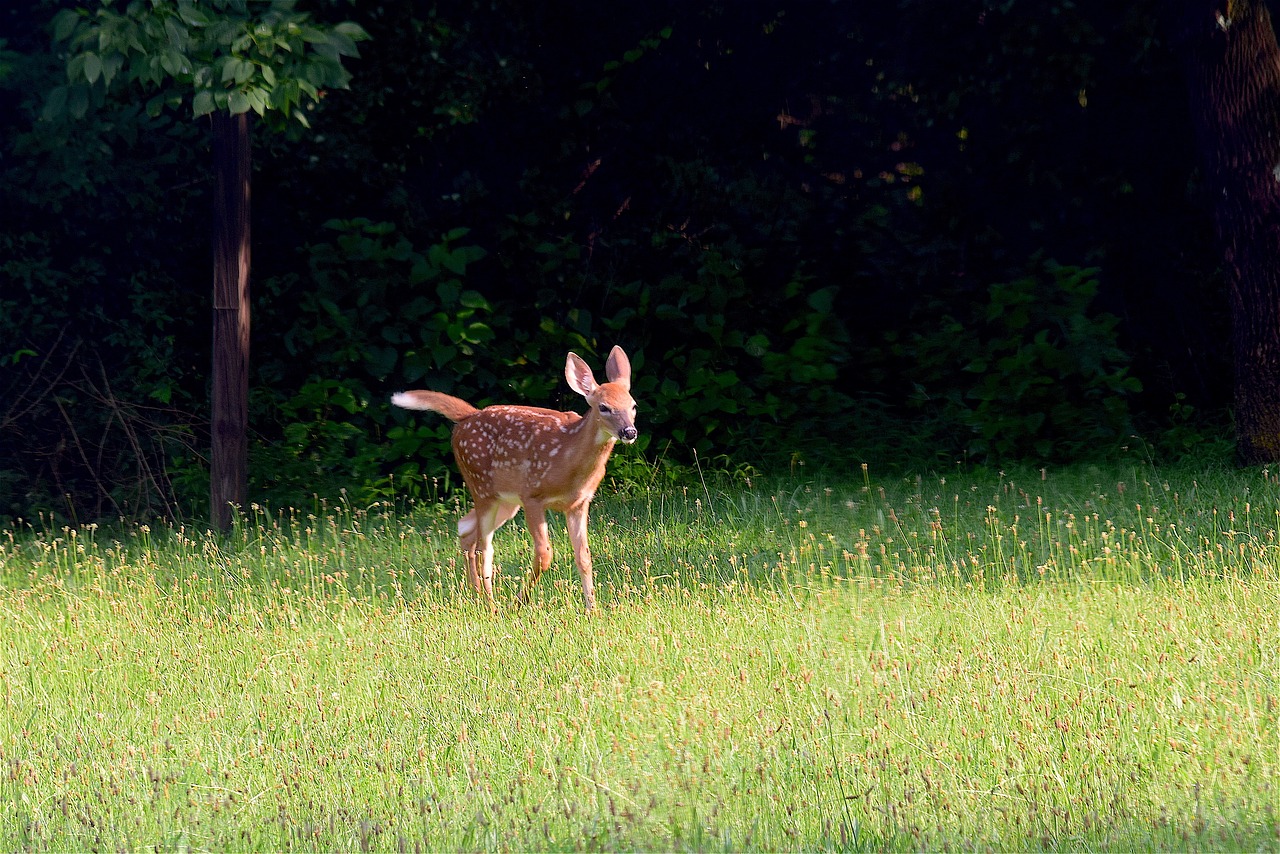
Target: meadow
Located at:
point(1085, 659)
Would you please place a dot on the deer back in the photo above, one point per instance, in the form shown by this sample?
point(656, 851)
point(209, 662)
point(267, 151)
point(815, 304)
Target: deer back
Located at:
point(524, 452)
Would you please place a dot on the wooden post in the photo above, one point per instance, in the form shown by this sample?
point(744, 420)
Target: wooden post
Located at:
point(229, 457)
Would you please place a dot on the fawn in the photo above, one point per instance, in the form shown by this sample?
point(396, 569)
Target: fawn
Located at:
point(539, 459)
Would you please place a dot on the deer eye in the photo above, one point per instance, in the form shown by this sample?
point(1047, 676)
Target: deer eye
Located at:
point(605, 409)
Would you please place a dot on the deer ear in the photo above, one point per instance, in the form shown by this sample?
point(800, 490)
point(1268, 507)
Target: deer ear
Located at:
point(578, 374)
point(618, 368)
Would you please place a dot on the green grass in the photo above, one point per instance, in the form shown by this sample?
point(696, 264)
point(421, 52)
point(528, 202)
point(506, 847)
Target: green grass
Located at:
point(1084, 660)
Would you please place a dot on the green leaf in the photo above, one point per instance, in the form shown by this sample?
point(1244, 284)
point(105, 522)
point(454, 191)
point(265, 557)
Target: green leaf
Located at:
point(192, 15)
point(343, 44)
point(222, 32)
point(455, 261)
point(463, 256)
point(422, 272)
point(78, 102)
point(203, 104)
point(238, 103)
point(64, 24)
point(92, 67)
point(56, 105)
point(176, 35)
point(474, 299)
point(821, 300)
point(110, 67)
point(257, 101)
point(448, 291)
point(351, 30)
point(478, 333)
point(236, 70)
point(162, 393)
point(172, 62)
point(309, 86)
point(284, 96)
point(381, 361)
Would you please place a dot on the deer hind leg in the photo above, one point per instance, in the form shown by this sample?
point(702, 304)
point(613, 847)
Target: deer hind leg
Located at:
point(536, 516)
point(576, 519)
point(469, 540)
point(475, 532)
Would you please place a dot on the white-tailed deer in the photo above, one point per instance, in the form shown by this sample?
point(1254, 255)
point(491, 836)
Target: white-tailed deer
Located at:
point(539, 459)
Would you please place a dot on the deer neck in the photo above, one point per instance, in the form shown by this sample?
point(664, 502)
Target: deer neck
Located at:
point(591, 431)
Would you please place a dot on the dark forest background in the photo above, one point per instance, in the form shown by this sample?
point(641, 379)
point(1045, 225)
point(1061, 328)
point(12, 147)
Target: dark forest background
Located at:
point(909, 234)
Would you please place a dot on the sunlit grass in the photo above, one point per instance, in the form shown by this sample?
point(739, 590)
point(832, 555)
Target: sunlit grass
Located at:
point(1079, 660)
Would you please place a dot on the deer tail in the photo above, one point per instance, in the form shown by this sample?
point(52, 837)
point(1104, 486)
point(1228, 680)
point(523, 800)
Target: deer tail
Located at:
point(453, 408)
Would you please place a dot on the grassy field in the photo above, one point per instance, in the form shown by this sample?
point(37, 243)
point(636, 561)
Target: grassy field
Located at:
point(1082, 660)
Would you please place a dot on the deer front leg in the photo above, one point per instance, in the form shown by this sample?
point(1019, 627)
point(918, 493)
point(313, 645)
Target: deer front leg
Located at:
point(576, 519)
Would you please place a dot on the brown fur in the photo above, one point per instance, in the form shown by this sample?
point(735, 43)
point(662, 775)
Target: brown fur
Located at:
point(453, 408)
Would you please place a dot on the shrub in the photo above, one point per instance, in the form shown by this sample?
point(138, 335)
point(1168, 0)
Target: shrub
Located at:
point(1031, 370)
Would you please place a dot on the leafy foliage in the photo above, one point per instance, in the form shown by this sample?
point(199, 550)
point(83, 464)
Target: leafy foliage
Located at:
point(373, 310)
point(1032, 370)
point(822, 233)
point(229, 55)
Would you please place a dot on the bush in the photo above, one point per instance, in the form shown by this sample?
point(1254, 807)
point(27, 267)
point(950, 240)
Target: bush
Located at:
point(1031, 370)
point(373, 315)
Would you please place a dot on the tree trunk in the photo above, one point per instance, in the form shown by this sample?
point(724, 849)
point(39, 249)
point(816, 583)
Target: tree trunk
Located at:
point(1233, 71)
point(229, 458)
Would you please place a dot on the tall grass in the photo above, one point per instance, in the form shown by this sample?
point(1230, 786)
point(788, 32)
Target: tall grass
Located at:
point(1075, 660)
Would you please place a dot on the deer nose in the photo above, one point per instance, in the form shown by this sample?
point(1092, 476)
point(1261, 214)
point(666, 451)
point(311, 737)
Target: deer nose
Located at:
point(628, 434)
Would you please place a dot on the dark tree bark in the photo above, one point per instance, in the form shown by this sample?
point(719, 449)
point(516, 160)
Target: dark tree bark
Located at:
point(229, 463)
point(1233, 74)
